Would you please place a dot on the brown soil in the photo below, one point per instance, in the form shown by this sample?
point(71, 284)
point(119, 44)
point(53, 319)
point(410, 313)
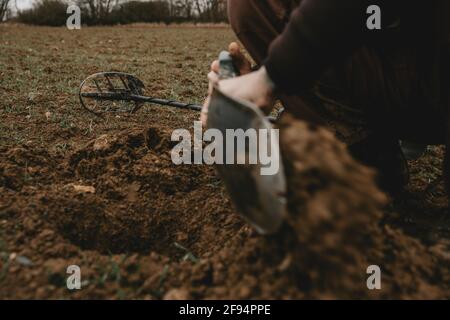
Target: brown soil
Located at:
point(104, 195)
point(121, 194)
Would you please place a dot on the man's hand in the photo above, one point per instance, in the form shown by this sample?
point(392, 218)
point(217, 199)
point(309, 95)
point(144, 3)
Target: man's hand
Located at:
point(255, 87)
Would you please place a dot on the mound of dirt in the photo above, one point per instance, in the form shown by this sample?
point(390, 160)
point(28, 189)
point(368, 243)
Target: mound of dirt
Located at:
point(335, 210)
point(333, 234)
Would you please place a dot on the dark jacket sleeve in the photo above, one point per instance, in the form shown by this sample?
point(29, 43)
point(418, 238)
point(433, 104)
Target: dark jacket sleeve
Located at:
point(319, 33)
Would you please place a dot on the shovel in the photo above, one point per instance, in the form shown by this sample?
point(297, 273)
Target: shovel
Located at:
point(259, 198)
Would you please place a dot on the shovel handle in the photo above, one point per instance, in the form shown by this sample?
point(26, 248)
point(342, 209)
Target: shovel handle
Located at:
point(226, 66)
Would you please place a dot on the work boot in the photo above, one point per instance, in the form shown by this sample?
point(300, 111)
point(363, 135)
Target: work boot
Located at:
point(387, 157)
point(413, 150)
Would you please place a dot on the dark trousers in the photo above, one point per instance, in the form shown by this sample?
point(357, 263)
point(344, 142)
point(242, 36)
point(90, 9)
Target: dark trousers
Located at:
point(384, 83)
point(393, 86)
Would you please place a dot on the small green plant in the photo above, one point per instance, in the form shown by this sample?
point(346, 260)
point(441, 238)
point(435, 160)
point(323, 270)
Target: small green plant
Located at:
point(189, 256)
point(4, 258)
point(158, 292)
point(111, 271)
point(62, 147)
point(65, 123)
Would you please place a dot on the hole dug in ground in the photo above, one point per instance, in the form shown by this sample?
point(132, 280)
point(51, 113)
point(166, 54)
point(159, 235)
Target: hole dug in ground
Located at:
point(142, 201)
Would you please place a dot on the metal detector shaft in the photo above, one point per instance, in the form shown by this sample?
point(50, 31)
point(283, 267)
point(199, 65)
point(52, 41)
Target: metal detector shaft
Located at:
point(124, 87)
point(139, 98)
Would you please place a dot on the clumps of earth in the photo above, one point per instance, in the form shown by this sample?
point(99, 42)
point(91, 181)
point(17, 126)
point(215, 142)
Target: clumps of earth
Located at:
point(141, 227)
point(333, 233)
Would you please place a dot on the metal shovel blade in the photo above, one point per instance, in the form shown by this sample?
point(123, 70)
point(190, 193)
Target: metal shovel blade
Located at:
point(258, 197)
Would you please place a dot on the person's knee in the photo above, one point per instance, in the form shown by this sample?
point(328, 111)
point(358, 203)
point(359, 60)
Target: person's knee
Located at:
point(241, 14)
